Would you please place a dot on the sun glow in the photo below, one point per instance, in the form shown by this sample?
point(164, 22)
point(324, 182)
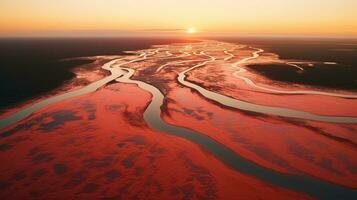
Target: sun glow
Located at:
point(191, 30)
point(227, 17)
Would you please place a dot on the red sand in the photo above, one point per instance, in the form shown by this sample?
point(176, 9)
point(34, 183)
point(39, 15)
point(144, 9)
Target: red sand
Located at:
point(270, 142)
point(98, 146)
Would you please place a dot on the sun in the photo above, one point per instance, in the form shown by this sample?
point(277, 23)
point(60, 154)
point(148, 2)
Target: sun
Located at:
point(191, 30)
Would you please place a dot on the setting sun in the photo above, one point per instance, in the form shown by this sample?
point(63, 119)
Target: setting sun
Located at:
point(191, 30)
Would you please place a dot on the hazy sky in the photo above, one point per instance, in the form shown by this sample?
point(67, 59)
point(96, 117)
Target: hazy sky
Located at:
point(292, 17)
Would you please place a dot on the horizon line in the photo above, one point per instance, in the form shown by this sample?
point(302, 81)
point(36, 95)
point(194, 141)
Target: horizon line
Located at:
point(161, 32)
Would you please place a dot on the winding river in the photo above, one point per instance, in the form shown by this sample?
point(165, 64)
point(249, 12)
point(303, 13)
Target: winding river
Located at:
point(247, 106)
point(115, 73)
point(304, 184)
point(152, 115)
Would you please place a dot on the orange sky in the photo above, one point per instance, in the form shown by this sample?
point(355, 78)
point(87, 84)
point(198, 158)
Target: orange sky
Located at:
point(237, 17)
